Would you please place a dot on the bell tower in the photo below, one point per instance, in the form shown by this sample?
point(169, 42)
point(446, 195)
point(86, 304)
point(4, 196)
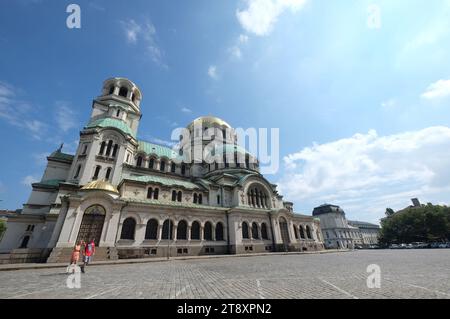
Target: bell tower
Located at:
point(109, 137)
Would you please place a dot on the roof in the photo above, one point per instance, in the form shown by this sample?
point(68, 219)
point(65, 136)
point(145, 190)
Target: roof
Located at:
point(209, 120)
point(58, 155)
point(50, 183)
point(326, 209)
point(100, 185)
point(166, 181)
point(159, 150)
point(362, 224)
point(110, 122)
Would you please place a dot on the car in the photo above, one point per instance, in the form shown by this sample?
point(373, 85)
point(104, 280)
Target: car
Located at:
point(443, 245)
point(393, 246)
point(419, 245)
point(403, 246)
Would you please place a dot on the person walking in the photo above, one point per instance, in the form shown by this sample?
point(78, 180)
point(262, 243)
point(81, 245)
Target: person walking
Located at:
point(75, 257)
point(89, 253)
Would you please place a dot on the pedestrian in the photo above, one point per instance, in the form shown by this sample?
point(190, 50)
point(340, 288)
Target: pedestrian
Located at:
point(75, 257)
point(89, 253)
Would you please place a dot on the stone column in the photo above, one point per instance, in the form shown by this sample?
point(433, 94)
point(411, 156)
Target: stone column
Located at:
point(140, 233)
point(202, 237)
point(159, 232)
point(213, 232)
point(175, 232)
point(188, 235)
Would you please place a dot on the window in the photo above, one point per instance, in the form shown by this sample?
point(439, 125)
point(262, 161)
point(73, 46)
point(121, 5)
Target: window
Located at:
point(109, 147)
point(195, 231)
point(295, 232)
point(200, 199)
point(219, 231)
point(25, 241)
point(167, 230)
point(139, 161)
point(150, 192)
point(108, 173)
point(77, 172)
point(183, 169)
point(255, 234)
point(182, 230)
point(96, 172)
point(123, 91)
point(179, 195)
point(85, 146)
point(308, 232)
point(216, 165)
point(128, 158)
point(118, 113)
point(102, 148)
point(128, 229)
point(207, 232)
point(116, 148)
point(247, 161)
point(174, 196)
point(172, 168)
point(302, 232)
point(264, 231)
point(195, 198)
point(257, 197)
point(162, 166)
point(245, 230)
point(151, 231)
point(156, 193)
point(111, 90)
point(151, 163)
point(218, 199)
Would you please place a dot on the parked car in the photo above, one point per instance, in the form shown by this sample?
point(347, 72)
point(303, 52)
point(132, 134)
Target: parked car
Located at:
point(419, 245)
point(443, 245)
point(393, 246)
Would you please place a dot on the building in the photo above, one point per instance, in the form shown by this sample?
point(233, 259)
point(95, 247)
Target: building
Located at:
point(339, 233)
point(140, 199)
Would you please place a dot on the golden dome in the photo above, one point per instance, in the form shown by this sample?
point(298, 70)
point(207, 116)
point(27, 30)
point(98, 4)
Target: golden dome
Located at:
point(209, 120)
point(101, 186)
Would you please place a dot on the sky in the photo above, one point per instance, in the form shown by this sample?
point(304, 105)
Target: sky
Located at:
point(360, 90)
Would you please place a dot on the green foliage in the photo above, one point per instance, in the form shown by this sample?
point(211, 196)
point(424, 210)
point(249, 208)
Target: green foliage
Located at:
point(416, 224)
point(2, 227)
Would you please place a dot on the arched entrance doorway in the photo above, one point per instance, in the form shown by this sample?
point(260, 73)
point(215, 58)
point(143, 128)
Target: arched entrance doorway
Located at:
point(284, 233)
point(92, 224)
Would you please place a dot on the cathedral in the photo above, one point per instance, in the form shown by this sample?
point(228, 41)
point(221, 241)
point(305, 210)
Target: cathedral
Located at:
point(137, 199)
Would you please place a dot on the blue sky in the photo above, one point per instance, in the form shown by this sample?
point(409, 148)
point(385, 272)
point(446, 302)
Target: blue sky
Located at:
point(362, 108)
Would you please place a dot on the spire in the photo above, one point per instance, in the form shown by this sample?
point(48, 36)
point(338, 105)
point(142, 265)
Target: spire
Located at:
point(60, 148)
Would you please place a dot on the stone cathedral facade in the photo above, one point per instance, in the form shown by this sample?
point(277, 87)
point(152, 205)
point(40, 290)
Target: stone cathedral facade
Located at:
point(137, 199)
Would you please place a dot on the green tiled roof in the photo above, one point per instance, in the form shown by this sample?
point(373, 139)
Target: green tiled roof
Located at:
point(166, 181)
point(62, 156)
point(159, 150)
point(49, 183)
point(109, 122)
point(174, 204)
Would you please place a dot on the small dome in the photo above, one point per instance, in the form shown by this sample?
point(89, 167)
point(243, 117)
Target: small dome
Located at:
point(100, 186)
point(209, 121)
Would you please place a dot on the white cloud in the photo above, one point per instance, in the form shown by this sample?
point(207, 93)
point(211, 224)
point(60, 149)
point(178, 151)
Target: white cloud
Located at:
point(186, 110)
point(145, 32)
point(236, 52)
point(389, 104)
point(212, 72)
point(243, 38)
point(28, 180)
point(438, 89)
point(260, 15)
point(65, 116)
point(367, 173)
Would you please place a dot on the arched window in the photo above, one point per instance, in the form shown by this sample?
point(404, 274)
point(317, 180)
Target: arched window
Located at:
point(174, 196)
point(96, 172)
point(139, 161)
point(108, 173)
point(128, 229)
point(123, 91)
point(207, 231)
point(118, 113)
point(182, 230)
point(151, 163)
point(156, 193)
point(77, 172)
point(109, 147)
point(264, 231)
point(150, 192)
point(245, 230)
point(111, 90)
point(195, 198)
point(219, 231)
point(162, 166)
point(172, 168)
point(183, 169)
point(200, 199)
point(179, 195)
point(102, 148)
point(167, 230)
point(302, 232)
point(195, 230)
point(151, 231)
point(255, 234)
point(257, 197)
point(25, 241)
point(308, 232)
point(115, 149)
point(218, 199)
point(295, 232)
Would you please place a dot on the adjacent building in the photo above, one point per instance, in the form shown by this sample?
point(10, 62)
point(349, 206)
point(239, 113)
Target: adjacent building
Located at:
point(140, 199)
point(339, 233)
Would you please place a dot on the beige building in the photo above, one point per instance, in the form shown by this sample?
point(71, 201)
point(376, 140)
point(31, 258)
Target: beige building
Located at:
point(140, 199)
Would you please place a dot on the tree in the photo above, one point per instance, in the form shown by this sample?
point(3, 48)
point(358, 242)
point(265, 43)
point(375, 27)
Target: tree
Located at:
point(2, 227)
point(423, 224)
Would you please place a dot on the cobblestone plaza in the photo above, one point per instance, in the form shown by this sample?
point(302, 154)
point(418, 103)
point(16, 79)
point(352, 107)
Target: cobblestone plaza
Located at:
point(404, 274)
